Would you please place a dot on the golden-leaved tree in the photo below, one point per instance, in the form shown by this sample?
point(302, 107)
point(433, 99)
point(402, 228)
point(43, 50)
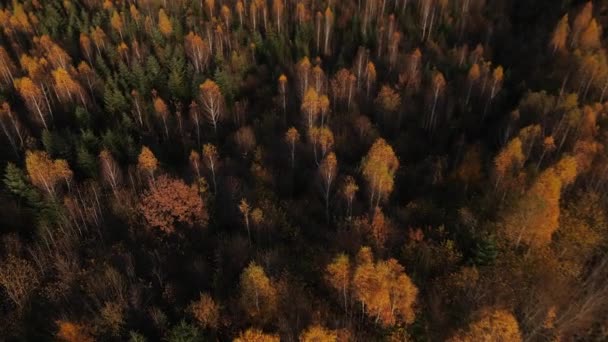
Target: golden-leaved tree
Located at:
point(384, 292)
point(378, 168)
point(535, 216)
point(46, 173)
point(258, 293)
point(491, 326)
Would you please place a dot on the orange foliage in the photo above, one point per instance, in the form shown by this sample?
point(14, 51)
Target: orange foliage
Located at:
point(170, 204)
point(206, 311)
point(73, 332)
point(384, 289)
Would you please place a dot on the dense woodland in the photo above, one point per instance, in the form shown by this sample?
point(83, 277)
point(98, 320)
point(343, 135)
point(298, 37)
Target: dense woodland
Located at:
point(303, 170)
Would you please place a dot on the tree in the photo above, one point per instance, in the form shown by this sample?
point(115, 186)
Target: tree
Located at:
point(258, 293)
point(438, 88)
point(255, 335)
point(472, 78)
point(310, 107)
point(147, 162)
point(379, 227)
point(339, 274)
point(283, 91)
point(164, 23)
point(212, 102)
point(245, 140)
point(11, 126)
point(317, 333)
point(328, 171)
point(329, 21)
point(110, 171)
point(33, 97)
point(195, 163)
point(303, 70)
point(492, 325)
point(590, 37)
point(292, 136)
point(205, 311)
point(278, 8)
point(19, 279)
point(388, 100)
point(385, 292)
point(184, 332)
point(240, 9)
point(497, 78)
point(535, 216)
point(508, 161)
point(67, 87)
point(378, 168)
point(171, 204)
point(210, 157)
point(44, 172)
point(581, 22)
point(7, 68)
point(85, 46)
point(73, 332)
point(245, 209)
point(349, 190)
point(161, 109)
point(370, 78)
point(116, 23)
point(322, 140)
point(197, 51)
point(342, 87)
point(559, 38)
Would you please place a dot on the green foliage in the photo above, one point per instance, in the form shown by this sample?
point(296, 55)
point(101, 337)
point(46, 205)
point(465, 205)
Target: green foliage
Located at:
point(136, 337)
point(53, 22)
point(16, 182)
point(177, 77)
point(485, 252)
point(184, 332)
point(87, 162)
point(113, 98)
point(56, 144)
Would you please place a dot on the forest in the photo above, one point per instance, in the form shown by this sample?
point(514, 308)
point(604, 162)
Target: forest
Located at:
point(303, 170)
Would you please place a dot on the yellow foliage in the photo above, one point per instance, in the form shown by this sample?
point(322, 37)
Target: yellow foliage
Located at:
point(146, 161)
point(255, 335)
point(492, 326)
point(164, 23)
point(317, 333)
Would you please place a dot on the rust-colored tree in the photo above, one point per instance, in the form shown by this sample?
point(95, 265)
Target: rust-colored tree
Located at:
point(171, 204)
point(205, 311)
point(73, 332)
point(19, 279)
